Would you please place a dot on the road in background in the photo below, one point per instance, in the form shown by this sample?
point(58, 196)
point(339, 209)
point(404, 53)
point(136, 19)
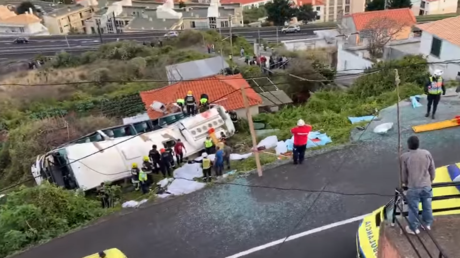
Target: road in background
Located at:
point(50, 45)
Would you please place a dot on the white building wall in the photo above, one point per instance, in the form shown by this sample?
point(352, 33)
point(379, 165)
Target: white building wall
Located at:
point(448, 52)
point(423, 7)
point(348, 62)
point(241, 113)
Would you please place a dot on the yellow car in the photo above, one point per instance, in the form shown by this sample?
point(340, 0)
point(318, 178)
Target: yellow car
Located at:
point(446, 194)
point(109, 253)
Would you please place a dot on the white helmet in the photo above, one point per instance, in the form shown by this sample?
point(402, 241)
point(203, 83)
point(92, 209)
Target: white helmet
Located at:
point(204, 155)
point(300, 122)
point(438, 72)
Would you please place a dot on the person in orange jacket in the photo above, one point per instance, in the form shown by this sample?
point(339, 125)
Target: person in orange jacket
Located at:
point(300, 133)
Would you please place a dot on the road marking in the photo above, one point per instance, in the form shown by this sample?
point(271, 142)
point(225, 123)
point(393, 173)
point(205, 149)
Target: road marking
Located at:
point(299, 235)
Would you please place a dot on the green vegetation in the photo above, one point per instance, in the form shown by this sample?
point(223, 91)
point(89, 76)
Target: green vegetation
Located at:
point(328, 110)
point(254, 14)
point(281, 11)
point(434, 17)
point(37, 214)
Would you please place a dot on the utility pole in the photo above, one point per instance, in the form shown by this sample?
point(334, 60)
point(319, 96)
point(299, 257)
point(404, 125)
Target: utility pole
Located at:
point(231, 38)
point(385, 6)
point(68, 45)
point(99, 31)
point(397, 81)
point(277, 37)
point(258, 41)
point(251, 129)
point(115, 29)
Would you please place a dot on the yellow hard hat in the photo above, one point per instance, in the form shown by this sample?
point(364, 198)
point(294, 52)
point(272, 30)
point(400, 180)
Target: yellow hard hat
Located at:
point(189, 92)
point(134, 165)
point(146, 158)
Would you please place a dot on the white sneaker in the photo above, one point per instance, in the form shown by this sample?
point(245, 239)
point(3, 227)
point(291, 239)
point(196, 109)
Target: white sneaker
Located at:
point(409, 231)
point(426, 228)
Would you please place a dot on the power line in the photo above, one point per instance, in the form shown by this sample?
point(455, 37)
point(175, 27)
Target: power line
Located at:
point(339, 75)
point(319, 195)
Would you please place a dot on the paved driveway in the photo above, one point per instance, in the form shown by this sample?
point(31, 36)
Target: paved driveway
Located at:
point(226, 219)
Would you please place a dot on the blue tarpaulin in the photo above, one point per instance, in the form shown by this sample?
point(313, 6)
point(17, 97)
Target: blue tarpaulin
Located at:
point(415, 101)
point(454, 173)
point(355, 120)
point(315, 139)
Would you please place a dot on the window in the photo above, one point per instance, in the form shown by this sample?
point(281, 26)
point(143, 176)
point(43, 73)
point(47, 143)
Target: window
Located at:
point(422, 4)
point(318, 8)
point(318, 17)
point(61, 30)
point(21, 29)
point(347, 9)
point(81, 15)
point(347, 1)
point(421, 12)
point(192, 24)
point(436, 45)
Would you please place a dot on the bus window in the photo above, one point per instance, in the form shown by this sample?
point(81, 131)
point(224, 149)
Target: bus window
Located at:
point(109, 133)
point(95, 137)
point(143, 127)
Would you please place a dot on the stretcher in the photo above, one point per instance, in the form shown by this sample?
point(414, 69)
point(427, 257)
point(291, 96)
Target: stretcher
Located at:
point(437, 126)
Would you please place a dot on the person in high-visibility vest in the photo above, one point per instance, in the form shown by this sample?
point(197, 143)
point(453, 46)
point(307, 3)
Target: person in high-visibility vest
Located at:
point(135, 175)
point(181, 104)
point(209, 145)
point(206, 165)
point(143, 181)
point(190, 103)
point(433, 90)
point(204, 102)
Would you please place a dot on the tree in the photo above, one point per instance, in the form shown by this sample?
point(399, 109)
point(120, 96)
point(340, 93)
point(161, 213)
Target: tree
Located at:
point(376, 5)
point(279, 12)
point(254, 14)
point(378, 32)
point(306, 13)
point(73, 31)
point(181, 4)
point(25, 7)
point(395, 4)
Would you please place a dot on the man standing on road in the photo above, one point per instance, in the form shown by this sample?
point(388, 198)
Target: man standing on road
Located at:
point(433, 90)
point(300, 133)
point(155, 157)
point(418, 171)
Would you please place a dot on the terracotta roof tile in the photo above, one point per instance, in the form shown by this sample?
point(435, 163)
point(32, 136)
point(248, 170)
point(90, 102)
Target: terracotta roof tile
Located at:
point(22, 19)
point(222, 90)
point(447, 29)
point(403, 16)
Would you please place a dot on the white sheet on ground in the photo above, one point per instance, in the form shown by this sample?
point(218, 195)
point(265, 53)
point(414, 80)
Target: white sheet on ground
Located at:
point(233, 156)
point(269, 142)
point(133, 204)
point(281, 148)
point(383, 128)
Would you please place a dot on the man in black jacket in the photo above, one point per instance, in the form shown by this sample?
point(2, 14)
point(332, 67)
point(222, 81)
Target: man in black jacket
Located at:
point(165, 163)
point(154, 155)
point(190, 103)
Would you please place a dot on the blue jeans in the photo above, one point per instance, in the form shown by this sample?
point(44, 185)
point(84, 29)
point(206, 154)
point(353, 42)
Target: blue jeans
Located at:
point(415, 196)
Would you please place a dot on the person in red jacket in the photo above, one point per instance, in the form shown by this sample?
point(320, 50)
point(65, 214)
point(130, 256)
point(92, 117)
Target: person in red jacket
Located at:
point(179, 149)
point(300, 133)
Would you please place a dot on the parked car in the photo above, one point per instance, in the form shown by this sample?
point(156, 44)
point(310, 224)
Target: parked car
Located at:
point(291, 29)
point(21, 41)
point(172, 34)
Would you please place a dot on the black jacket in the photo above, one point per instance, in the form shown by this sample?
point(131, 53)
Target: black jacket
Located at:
point(154, 155)
point(166, 158)
point(189, 100)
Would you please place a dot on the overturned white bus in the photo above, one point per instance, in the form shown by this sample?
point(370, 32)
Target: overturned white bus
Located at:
point(107, 154)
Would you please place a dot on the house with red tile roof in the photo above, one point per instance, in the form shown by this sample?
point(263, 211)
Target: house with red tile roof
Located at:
point(252, 3)
point(440, 42)
point(430, 7)
point(358, 26)
point(221, 90)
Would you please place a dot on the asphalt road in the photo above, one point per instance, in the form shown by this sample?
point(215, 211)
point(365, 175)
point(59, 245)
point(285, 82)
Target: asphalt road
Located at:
point(80, 43)
point(224, 220)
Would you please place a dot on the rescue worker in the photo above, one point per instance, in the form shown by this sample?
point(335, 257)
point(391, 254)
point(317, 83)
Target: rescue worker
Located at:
point(300, 133)
point(169, 149)
point(206, 165)
point(155, 157)
point(147, 167)
point(180, 103)
point(165, 163)
point(234, 118)
point(135, 175)
point(209, 145)
point(433, 90)
point(190, 103)
point(143, 182)
point(204, 102)
point(103, 195)
point(179, 149)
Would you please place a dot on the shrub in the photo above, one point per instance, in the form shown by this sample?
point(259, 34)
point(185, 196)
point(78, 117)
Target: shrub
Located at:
point(100, 75)
point(32, 215)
